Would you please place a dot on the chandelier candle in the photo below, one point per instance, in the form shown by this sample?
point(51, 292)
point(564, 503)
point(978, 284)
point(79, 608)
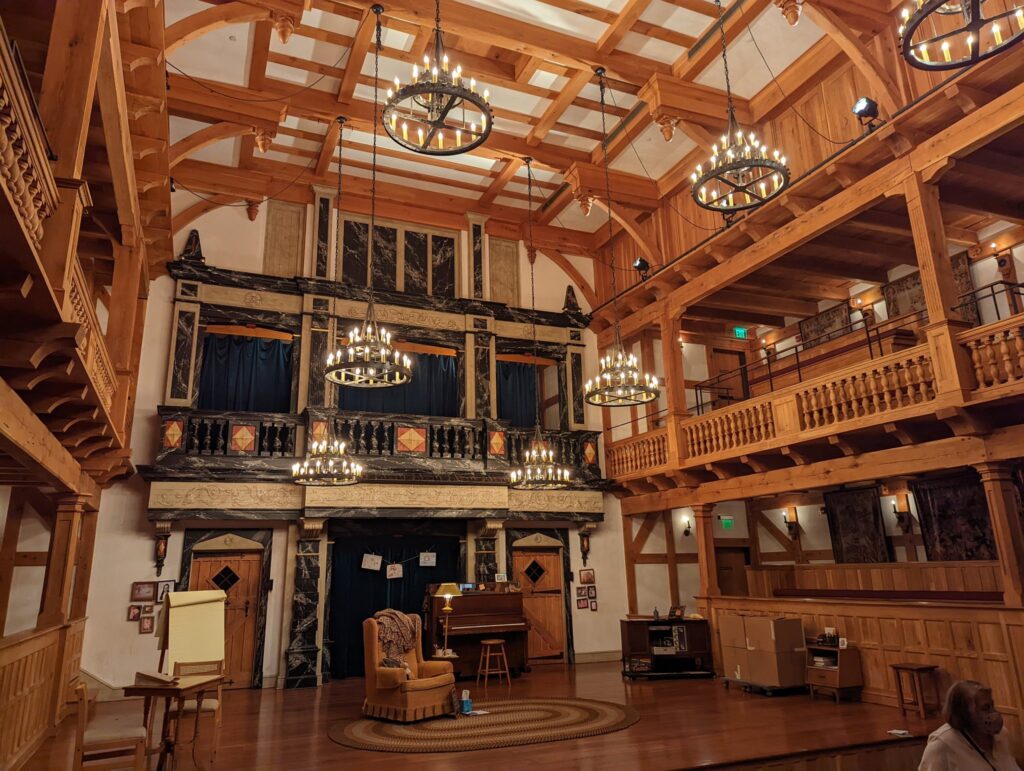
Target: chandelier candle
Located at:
point(961, 31)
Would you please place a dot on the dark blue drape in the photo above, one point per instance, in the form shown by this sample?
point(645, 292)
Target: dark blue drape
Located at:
point(246, 374)
point(433, 390)
point(517, 393)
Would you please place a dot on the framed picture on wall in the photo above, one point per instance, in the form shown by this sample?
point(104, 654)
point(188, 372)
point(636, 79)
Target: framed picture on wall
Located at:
point(143, 591)
point(134, 612)
point(146, 625)
point(147, 610)
point(581, 591)
point(587, 576)
point(162, 588)
point(592, 592)
point(593, 604)
point(583, 604)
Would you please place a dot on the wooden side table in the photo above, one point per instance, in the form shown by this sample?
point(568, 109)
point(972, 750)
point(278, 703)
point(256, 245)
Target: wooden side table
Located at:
point(840, 676)
point(918, 673)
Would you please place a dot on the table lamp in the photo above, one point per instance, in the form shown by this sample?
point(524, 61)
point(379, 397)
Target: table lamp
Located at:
point(447, 591)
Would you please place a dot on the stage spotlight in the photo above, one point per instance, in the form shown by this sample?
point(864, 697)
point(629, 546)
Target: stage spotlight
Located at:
point(866, 110)
point(642, 267)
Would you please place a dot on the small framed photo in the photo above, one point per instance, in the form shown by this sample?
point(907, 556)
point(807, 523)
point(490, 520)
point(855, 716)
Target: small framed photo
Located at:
point(143, 591)
point(677, 611)
point(843, 643)
point(583, 604)
point(581, 591)
point(147, 610)
point(593, 604)
point(146, 625)
point(592, 592)
point(587, 576)
point(134, 612)
point(162, 588)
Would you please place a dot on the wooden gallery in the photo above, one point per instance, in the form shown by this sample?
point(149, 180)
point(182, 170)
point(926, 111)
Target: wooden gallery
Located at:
point(590, 384)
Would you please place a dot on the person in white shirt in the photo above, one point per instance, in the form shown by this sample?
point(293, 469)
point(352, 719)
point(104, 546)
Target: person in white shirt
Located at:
point(973, 737)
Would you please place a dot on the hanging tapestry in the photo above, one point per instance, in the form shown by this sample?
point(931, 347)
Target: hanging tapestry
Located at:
point(826, 326)
point(906, 295)
point(856, 527)
point(954, 518)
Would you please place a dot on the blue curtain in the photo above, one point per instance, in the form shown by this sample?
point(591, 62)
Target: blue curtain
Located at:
point(517, 393)
point(433, 390)
point(246, 374)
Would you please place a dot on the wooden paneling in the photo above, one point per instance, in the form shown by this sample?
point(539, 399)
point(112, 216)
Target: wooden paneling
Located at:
point(965, 641)
point(29, 665)
point(896, 576)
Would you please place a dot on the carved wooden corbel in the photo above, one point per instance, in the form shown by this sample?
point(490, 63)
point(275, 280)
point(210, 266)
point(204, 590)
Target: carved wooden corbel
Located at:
point(252, 210)
point(284, 25)
point(668, 125)
point(791, 10)
point(163, 533)
point(264, 137)
point(310, 528)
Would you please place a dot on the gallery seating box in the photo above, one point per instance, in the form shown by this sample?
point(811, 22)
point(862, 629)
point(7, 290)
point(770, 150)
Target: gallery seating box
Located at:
point(765, 633)
point(763, 650)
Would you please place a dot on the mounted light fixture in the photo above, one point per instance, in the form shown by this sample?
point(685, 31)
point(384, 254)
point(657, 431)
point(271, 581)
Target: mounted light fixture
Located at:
point(367, 360)
point(866, 110)
point(944, 35)
point(442, 111)
point(540, 469)
point(619, 382)
point(641, 266)
point(742, 172)
point(327, 465)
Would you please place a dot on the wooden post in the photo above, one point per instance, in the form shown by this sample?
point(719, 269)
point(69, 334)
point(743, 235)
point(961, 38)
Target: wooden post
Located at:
point(1004, 511)
point(60, 568)
point(951, 362)
point(124, 296)
point(9, 551)
point(83, 564)
point(670, 556)
point(753, 535)
point(674, 385)
point(703, 520)
point(627, 548)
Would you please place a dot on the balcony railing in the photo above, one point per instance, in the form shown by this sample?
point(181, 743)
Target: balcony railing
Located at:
point(208, 432)
point(638, 455)
point(997, 352)
point(92, 350)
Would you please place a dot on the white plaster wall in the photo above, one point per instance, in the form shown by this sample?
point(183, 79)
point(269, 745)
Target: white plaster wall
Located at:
point(596, 632)
point(26, 582)
point(229, 239)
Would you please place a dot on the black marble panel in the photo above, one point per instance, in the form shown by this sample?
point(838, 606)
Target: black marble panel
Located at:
point(328, 641)
point(385, 257)
point(189, 290)
point(354, 252)
point(415, 262)
point(443, 337)
point(225, 314)
point(525, 347)
point(323, 234)
point(476, 238)
point(563, 402)
point(442, 267)
point(302, 652)
point(578, 414)
point(321, 304)
point(316, 393)
point(265, 537)
point(182, 367)
point(460, 374)
point(484, 376)
point(479, 323)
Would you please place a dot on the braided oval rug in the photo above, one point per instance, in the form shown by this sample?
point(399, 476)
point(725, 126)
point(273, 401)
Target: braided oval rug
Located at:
point(510, 723)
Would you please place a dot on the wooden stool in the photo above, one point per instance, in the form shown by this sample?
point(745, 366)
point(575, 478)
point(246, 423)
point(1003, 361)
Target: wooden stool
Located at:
point(493, 651)
point(917, 673)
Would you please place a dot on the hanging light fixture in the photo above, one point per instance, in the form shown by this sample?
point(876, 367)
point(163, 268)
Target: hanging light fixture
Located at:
point(327, 465)
point(539, 470)
point(367, 360)
point(442, 111)
point(742, 172)
point(968, 36)
point(620, 382)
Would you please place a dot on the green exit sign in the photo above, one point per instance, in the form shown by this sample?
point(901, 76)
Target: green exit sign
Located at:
point(727, 522)
point(740, 333)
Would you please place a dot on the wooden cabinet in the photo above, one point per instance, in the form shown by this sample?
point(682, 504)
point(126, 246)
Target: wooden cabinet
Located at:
point(666, 648)
point(834, 670)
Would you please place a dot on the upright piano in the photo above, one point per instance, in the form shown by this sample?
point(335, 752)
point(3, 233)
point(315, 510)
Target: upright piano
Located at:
point(478, 615)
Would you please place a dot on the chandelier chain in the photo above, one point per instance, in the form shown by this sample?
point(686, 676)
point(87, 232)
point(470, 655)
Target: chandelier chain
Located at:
point(608, 200)
point(337, 198)
point(532, 255)
point(725, 62)
point(373, 170)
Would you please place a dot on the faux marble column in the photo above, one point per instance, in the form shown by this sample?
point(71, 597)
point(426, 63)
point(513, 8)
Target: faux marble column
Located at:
point(477, 258)
point(577, 415)
point(320, 338)
point(302, 659)
point(181, 372)
point(484, 375)
point(323, 233)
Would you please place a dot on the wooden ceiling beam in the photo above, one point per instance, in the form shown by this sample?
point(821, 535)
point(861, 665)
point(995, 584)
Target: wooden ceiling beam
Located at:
point(507, 173)
point(204, 137)
point(737, 16)
point(362, 42)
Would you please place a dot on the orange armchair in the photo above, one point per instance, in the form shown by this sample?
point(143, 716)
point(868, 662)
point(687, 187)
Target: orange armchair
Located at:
point(393, 695)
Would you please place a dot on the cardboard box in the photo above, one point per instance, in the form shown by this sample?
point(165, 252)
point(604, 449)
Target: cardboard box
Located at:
point(731, 630)
point(765, 633)
point(735, 664)
point(776, 669)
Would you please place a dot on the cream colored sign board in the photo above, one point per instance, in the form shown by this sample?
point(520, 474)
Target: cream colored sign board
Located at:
point(192, 627)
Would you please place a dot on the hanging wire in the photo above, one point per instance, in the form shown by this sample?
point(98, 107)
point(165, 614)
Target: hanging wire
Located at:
point(532, 255)
point(608, 197)
point(377, 9)
point(271, 196)
point(337, 200)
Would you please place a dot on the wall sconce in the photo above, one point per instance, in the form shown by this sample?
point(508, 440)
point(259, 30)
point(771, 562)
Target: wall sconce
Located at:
point(903, 519)
point(585, 531)
point(791, 523)
point(686, 526)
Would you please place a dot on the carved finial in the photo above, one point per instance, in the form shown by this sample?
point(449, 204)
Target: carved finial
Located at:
point(667, 124)
point(252, 209)
point(586, 202)
point(284, 25)
point(790, 9)
point(531, 254)
point(263, 138)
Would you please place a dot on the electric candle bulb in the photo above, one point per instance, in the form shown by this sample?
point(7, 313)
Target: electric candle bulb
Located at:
point(945, 51)
point(398, 83)
point(405, 131)
point(440, 140)
point(458, 137)
point(1020, 18)
point(472, 128)
point(394, 120)
point(997, 34)
point(426, 62)
point(419, 134)
point(922, 53)
point(390, 93)
point(970, 43)
point(433, 74)
point(472, 85)
point(487, 95)
point(415, 72)
point(445, 62)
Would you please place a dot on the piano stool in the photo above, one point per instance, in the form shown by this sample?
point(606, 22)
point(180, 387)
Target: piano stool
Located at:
point(492, 652)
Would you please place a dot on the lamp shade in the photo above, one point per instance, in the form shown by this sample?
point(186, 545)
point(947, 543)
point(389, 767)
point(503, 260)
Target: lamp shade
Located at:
point(448, 590)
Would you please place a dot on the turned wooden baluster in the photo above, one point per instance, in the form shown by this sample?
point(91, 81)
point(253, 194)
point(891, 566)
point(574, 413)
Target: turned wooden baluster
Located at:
point(876, 388)
point(991, 367)
point(976, 359)
point(1004, 354)
point(1018, 347)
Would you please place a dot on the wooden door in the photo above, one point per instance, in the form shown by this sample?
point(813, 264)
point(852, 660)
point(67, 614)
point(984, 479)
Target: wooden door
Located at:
point(733, 386)
point(238, 574)
point(539, 572)
point(732, 571)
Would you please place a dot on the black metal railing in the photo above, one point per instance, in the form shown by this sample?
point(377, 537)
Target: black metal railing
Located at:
point(993, 302)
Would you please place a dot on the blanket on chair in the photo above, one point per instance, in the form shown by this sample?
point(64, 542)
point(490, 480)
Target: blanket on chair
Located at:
point(396, 632)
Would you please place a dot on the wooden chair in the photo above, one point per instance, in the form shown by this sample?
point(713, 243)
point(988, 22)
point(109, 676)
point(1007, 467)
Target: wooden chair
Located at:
point(493, 661)
point(107, 742)
point(214, 707)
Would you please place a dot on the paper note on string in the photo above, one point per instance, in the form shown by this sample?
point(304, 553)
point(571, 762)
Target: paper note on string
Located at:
point(428, 559)
point(395, 570)
point(371, 561)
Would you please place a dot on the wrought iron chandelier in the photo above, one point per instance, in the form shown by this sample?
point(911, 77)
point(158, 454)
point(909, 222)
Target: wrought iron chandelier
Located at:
point(367, 360)
point(539, 470)
point(961, 34)
point(327, 465)
point(619, 382)
point(442, 111)
point(742, 173)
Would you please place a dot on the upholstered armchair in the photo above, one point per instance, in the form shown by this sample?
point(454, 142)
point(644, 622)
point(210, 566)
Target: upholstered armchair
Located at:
point(391, 693)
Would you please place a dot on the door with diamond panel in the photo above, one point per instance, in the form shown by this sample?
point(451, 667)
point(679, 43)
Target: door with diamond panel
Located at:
point(239, 576)
point(539, 573)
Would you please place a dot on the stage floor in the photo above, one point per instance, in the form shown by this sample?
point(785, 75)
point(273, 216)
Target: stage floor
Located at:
point(684, 724)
